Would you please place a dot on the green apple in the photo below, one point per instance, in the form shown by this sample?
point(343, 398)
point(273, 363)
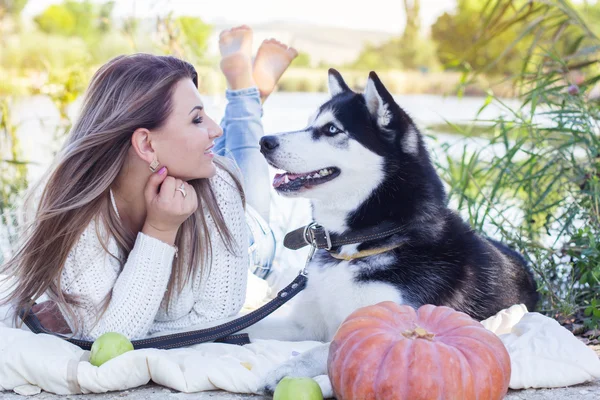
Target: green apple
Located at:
point(109, 346)
point(298, 389)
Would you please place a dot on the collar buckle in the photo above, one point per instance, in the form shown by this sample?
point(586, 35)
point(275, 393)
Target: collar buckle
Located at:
point(317, 236)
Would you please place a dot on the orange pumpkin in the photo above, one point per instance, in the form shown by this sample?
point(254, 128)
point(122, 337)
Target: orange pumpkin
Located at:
point(392, 352)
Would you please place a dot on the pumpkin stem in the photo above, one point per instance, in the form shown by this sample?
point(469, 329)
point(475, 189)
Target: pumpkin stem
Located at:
point(418, 333)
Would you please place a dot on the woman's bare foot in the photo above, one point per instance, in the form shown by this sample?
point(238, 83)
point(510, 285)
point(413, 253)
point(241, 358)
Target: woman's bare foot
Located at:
point(236, 49)
point(272, 59)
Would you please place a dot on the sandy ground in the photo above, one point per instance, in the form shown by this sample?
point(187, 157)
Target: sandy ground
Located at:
point(154, 392)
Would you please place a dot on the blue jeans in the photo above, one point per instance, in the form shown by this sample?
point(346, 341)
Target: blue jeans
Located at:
point(242, 130)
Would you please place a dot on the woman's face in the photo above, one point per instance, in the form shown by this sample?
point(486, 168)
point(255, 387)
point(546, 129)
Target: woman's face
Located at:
point(184, 143)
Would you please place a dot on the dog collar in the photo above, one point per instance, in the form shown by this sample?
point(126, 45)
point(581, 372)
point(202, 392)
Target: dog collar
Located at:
point(365, 253)
point(317, 236)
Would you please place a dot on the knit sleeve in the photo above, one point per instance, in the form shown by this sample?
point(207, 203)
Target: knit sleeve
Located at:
point(223, 292)
point(133, 293)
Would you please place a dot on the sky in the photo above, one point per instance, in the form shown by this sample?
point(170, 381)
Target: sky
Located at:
point(374, 15)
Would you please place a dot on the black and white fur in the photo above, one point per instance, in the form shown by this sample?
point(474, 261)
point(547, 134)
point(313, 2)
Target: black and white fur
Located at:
point(376, 167)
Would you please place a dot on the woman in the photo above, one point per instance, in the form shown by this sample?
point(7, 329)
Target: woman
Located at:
point(140, 227)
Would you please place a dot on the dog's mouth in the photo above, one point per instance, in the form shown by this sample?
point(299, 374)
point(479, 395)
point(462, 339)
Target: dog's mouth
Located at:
point(290, 182)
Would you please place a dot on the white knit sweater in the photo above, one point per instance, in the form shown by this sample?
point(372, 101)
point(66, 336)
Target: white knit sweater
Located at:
point(138, 306)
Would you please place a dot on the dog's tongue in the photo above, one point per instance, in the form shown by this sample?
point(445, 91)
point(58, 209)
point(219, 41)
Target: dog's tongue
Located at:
point(279, 179)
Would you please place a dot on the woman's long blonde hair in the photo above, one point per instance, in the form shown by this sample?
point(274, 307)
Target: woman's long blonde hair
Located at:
point(127, 93)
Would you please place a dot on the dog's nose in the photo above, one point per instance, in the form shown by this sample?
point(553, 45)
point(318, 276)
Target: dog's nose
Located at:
point(268, 144)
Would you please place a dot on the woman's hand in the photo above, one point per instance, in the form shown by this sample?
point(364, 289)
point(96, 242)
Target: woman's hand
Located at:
point(166, 206)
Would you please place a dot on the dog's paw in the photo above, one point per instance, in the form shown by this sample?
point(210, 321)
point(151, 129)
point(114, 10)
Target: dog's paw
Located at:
point(268, 389)
point(275, 376)
point(311, 363)
point(272, 378)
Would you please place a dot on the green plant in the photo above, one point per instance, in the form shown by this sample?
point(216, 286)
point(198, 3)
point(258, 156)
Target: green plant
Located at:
point(84, 19)
point(302, 61)
point(56, 19)
point(13, 171)
point(592, 312)
point(13, 178)
point(536, 184)
point(40, 51)
point(12, 6)
point(184, 37)
point(195, 35)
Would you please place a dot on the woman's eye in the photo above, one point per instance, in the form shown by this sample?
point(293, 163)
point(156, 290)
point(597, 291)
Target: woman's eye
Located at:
point(198, 120)
point(332, 129)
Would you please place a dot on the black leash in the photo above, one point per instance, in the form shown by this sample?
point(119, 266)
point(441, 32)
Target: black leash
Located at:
point(223, 333)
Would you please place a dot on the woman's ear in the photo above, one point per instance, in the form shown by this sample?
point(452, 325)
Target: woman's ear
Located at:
point(142, 145)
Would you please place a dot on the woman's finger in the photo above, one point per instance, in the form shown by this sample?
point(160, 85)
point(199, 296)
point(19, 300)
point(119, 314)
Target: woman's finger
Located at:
point(155, 180)
point(168, 187)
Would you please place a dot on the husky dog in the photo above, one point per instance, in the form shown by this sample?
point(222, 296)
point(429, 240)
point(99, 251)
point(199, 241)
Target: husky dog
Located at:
point(362, 162)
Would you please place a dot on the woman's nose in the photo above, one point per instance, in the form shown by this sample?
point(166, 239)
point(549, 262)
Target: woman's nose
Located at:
point(216, 131)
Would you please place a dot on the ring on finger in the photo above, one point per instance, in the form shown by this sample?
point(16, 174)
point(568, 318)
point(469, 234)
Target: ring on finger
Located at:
point(182, 190)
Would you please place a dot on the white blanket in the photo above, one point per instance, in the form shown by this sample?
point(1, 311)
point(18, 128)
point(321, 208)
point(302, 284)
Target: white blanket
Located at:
point(543, 354)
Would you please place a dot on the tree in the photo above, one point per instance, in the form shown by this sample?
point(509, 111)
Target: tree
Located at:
point(408, 45)
point(302, 61)
point(85, 19)
point(480, 33)
point(56, 19)
point(87, 16)
point(384, 56)
point(13, 7)
point(503, 36)
point(9, 13)
point(590, 11)
point(195, 34)
point(409, 51)
point(104, 15)
point(130, 28)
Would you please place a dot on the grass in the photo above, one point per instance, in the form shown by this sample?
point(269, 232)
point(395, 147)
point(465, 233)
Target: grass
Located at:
point(464, 130)
point(536, 185)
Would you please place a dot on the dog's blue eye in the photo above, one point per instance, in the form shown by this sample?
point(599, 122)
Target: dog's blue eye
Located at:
point(331, 129)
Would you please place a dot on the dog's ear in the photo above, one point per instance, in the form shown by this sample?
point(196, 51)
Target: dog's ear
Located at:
point(336, 83)
point(378, 100)
point(396, 125)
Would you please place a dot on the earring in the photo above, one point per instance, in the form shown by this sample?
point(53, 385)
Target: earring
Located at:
point(154, 165)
